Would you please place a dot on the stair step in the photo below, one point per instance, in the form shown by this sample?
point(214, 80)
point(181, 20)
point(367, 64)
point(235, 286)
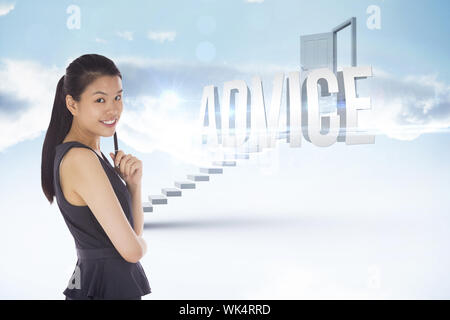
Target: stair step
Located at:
point(157, 199)
point(211, 170)
point(185, 184)
point(228, 156)
point(241, 156)
point(147, 206)
point(236, 156)
point(224, 163)
point(198, 177)
point(253, 148)
point(171, 192)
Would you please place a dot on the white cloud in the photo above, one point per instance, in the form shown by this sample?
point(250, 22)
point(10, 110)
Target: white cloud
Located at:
point(254, 1)
point(161, 36)
point(6, 8)
point(406, 107)
point(402, 108)
point(150, 124)
point(127, 35)
point(34, 86)
point(216, 71)
point(144, 62)
point(100, 40)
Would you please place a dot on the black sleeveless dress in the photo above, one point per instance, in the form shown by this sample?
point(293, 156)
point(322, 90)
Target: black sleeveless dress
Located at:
point(100, 271)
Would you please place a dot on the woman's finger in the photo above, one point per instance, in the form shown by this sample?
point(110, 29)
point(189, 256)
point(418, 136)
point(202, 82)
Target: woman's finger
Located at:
point(131, 163)
point(134, 167)
point(123, 163)
point(118, 157)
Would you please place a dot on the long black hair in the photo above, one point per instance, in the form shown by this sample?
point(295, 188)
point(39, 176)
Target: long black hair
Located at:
point(79, 74)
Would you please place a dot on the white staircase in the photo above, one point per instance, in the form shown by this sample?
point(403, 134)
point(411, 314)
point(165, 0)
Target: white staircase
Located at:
point(205, 172)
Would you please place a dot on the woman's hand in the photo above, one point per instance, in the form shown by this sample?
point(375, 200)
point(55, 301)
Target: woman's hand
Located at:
point(128, 167)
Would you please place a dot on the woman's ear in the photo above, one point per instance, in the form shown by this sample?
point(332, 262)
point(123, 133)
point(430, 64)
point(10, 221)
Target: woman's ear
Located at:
point(71, 105)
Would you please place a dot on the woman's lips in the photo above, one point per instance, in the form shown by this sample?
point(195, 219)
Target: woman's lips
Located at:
point(110, 125)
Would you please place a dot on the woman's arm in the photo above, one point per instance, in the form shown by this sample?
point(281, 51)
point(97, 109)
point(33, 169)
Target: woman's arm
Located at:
point(91, 183)
point(143, 245)
point(138, 213)
point(130, 169)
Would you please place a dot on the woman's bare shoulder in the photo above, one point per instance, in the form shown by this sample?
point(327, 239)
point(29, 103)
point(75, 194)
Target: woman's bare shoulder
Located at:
point(76, 156)
point(76, 163)
point(69, 172)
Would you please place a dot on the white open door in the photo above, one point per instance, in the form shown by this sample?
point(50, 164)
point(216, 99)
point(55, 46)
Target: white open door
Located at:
point(316, 51)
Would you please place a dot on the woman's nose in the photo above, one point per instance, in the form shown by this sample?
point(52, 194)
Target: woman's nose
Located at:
point(114, 109)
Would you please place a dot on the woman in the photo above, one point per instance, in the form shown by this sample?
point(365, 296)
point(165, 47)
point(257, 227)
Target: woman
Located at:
point(103, 214)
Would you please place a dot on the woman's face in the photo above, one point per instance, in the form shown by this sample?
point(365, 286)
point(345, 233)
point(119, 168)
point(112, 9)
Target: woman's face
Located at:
point(100, 101)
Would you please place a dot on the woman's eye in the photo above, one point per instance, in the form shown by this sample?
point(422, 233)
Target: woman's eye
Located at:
point(119, 98)
point(98, 99)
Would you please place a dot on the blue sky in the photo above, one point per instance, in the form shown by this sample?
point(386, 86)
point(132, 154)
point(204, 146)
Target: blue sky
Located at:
point(263, 32)
point(401, 181)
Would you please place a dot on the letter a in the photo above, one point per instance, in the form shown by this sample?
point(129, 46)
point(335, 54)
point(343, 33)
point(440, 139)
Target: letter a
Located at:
point(75, 277)
point(74, 20)
point(374, 20)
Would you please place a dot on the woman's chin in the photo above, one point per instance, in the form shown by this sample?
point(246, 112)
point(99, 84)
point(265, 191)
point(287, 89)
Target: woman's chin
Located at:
point(106, 134)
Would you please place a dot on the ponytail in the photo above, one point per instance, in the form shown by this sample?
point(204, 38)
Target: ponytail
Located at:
point(60, 123)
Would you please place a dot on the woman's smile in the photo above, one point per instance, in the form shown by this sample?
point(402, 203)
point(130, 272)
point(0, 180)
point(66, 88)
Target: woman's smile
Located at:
point(110, 123)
